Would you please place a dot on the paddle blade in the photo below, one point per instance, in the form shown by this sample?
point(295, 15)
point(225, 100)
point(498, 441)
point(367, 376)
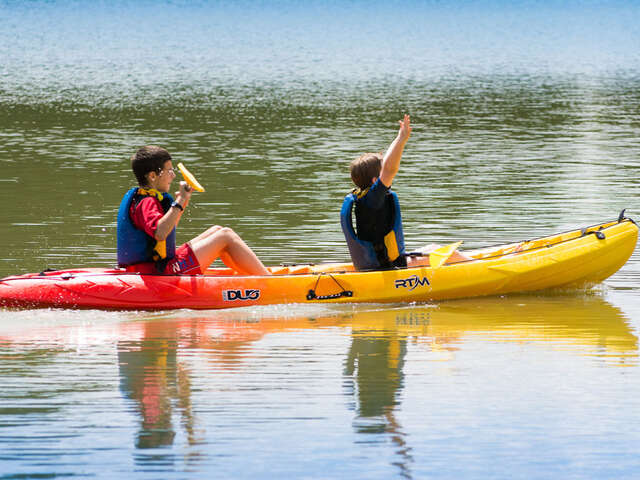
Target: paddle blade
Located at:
point(439, 256)
point(189, 178)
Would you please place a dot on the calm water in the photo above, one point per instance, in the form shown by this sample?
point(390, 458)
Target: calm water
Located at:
point(527, 122)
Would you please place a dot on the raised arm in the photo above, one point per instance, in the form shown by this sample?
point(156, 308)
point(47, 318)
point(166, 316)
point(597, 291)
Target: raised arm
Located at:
point(391, 160)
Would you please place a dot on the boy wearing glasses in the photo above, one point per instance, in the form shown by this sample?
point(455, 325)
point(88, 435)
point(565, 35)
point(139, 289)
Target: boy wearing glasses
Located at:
point(147, 221)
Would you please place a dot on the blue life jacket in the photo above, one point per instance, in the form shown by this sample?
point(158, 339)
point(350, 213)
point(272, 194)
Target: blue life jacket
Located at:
point(383, 253)
point(134, 245)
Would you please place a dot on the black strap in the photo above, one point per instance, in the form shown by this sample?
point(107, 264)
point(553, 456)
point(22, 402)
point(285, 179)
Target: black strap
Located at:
point(621, 216)
point(599, 235)
point(312, 293)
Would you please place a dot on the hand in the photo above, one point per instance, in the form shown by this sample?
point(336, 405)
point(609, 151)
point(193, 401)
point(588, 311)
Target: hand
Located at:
point(405, 128)
point(185, 189)
point(184, 194)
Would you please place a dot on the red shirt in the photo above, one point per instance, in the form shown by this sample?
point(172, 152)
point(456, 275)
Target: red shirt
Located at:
point(146, 215)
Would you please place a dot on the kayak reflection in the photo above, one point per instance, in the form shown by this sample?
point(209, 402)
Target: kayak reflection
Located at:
point(153, 376)
point(241, 360)
point(587, 324)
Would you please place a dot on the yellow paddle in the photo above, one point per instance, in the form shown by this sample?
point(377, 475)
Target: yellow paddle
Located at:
point(439, 256)
point(189, 178)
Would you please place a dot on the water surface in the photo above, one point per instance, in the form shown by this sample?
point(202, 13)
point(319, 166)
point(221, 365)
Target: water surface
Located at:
point(527, 122)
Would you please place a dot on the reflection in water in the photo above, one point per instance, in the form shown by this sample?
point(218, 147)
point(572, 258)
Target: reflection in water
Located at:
point(160, 366)
point(377, 365)
point(376, 362)
point(587, 325)
point(379, 342)
point(379, 346)
point(152, 376)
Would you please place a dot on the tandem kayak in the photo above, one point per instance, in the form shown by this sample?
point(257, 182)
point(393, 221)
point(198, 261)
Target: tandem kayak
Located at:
point(577, 258)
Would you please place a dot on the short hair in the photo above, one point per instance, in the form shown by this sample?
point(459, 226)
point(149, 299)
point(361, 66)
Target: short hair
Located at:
point(148, 159)
point(365, 168)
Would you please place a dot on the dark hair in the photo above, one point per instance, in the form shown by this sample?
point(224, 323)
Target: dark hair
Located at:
point(148, 159)
point(365, 167)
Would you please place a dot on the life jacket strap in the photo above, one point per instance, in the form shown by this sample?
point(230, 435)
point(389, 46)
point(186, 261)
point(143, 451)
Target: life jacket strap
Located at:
point(359, 192)
point(150, 192)
point(391, 243)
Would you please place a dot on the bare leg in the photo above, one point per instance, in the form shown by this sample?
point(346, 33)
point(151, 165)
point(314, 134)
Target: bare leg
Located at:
point(424, 260)
point(418, 262)
point(208, 232)
point(224, 243)
point(224, 256)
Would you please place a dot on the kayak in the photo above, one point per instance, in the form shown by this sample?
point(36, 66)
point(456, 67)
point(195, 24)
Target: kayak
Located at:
point(578, 258)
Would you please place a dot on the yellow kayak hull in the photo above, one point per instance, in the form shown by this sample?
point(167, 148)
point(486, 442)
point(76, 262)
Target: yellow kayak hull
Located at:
point(571, 259)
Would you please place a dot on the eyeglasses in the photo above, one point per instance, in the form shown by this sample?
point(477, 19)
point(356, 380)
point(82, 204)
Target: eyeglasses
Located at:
point(168, 170)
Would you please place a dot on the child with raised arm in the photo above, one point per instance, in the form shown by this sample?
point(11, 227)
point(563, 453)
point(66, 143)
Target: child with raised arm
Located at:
point(377, 242)
point(147, 221)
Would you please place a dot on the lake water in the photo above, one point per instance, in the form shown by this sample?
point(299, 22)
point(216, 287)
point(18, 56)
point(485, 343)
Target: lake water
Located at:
point(526, 122)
